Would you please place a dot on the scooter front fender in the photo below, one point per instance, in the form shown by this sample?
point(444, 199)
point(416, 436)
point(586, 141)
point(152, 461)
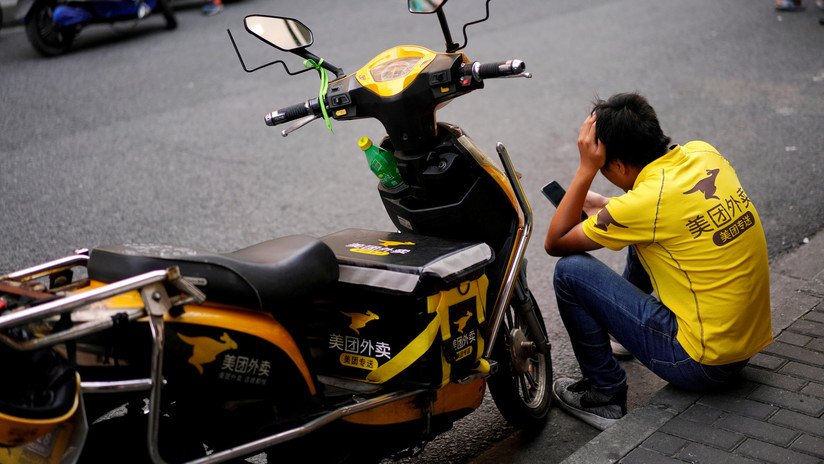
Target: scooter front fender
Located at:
point(23, 8)
point(67, 16)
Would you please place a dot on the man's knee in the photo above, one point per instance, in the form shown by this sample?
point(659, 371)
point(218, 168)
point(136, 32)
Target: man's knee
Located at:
point(572, 265)
point(569, 272)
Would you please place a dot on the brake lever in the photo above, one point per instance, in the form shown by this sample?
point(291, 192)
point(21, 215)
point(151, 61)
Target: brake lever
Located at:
point(526, 75)
point(298, 124)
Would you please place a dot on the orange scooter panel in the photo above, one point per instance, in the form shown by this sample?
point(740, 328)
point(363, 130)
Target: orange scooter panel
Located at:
point(209, 333)
point(258, 324)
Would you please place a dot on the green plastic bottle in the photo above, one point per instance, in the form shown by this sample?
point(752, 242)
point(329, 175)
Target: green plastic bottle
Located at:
point(381, 162)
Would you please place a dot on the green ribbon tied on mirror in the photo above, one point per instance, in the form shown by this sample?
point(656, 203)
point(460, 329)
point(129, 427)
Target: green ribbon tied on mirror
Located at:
point(324, 87)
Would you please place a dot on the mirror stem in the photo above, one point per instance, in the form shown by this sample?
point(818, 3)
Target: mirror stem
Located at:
point(450, 45)
point(327, 65)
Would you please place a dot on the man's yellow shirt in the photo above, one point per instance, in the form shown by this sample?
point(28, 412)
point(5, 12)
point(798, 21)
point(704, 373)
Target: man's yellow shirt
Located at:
point(700, 239)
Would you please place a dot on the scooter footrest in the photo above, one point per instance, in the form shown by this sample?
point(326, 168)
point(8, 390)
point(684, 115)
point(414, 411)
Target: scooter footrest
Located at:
point(490, 368)
point(337, 386)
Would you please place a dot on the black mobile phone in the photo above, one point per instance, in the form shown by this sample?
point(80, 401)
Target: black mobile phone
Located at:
point(554, 193)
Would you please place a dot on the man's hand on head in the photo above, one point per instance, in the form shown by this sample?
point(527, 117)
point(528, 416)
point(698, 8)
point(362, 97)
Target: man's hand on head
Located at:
point(565, 235)
point(592, 153)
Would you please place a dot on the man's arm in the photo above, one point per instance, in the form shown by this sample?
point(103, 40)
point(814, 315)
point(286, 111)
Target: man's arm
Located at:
point(565, 235)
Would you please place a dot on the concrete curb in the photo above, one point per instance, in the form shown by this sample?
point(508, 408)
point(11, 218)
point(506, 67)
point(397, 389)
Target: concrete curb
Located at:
point(618, 440)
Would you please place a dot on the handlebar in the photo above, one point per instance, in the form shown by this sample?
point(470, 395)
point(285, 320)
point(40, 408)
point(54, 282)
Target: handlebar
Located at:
point(473, 71)
point(290, 113)
point(481, 71)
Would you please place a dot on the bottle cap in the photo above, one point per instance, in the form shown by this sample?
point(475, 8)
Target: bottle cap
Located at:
point(364, 143)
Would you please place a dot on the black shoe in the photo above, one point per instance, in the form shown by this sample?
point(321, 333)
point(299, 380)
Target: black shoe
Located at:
point(588, 404)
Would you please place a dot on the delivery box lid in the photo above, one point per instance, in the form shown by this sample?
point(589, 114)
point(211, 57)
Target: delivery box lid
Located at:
point(404, 262)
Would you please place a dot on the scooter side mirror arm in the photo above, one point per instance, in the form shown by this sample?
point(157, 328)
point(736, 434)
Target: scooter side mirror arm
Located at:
point(242, 64)
point(451, 46)
point(466, 40)
point(304, 53)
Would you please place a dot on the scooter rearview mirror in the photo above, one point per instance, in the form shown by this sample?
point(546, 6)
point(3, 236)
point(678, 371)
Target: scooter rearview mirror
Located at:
point(285, 34)
point(425, 6)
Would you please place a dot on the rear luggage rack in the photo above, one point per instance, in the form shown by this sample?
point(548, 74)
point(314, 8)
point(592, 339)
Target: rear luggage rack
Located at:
point(51, 303)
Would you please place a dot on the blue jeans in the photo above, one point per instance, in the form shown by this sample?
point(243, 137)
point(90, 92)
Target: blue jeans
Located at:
point(594, 302)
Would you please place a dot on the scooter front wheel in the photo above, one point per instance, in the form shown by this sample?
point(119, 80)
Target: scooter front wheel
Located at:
point(522, 386)
point(43, 34)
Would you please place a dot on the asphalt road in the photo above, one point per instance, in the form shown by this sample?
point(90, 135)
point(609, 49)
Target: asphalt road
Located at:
point(145, 135)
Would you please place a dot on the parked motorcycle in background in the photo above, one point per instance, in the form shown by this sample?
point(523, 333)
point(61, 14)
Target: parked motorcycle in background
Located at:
point(52, 25)
point(349, 347)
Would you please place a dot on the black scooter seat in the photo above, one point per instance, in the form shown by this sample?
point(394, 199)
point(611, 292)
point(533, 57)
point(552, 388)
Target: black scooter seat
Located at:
point(262, 276)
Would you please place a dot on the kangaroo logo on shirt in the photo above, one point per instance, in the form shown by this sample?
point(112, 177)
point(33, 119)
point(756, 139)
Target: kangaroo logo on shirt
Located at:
point(604, 220)
point(706, 186)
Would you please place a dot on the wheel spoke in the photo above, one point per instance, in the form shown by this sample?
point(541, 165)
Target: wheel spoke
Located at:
point(525, 391)
point(531, 380)
point(47, 28)
point(524, 396)
point(510, 323)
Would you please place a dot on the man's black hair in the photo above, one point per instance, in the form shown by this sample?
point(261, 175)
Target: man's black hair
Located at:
point(628, 126)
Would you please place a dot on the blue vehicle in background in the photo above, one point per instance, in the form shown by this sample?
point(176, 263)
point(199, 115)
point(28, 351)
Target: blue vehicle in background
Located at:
point(52, 25)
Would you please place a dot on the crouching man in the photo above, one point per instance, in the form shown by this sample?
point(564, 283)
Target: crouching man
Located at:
point(693, 304)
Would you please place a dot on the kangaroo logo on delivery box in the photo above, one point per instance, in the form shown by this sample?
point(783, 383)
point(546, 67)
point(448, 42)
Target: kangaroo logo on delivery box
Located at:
point(359, 320)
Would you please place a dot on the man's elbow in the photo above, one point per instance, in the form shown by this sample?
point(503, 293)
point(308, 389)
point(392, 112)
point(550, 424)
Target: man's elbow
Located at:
point(573, 242)
point(552, 249)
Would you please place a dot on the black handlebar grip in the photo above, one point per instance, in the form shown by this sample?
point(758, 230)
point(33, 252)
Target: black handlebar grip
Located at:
point(499, 69)
point(290, 113)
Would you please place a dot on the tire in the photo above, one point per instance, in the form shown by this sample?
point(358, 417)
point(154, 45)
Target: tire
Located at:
point(522, 386)
point(44, 36)
point(165, 8)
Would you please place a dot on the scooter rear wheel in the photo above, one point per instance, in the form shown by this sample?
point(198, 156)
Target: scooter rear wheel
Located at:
point(522, 386)
point(45, 36)
point(165, 8)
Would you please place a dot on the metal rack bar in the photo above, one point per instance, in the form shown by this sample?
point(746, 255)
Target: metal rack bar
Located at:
point(309, 427)
point(72, 302)
point(75, 332)
point(521, 241)
point(116, 386)
point(48, 267)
